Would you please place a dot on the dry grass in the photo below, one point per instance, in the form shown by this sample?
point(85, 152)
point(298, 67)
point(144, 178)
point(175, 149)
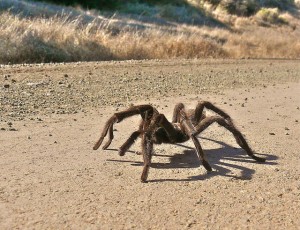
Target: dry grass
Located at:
point(65, 38)
point(274, 44)
point(57, 39)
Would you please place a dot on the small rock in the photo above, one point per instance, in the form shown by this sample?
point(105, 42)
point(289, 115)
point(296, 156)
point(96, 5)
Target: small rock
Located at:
point(119, 174)
point(286, 128)
point(6, 76)
point(272, 134)
point(6, 86)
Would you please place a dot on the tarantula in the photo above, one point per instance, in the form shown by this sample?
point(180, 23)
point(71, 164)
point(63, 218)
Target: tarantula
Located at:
point(156, 129)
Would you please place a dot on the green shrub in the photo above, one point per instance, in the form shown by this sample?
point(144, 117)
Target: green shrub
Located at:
point(97, 4)
point(114, 4)
point(240, 7)
point(213, 2)
point(139, 8)
point(270, 15)
point(280, 4)
point(164, 2)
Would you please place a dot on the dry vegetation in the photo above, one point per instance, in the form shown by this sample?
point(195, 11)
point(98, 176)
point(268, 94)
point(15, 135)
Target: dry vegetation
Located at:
point(54, 34)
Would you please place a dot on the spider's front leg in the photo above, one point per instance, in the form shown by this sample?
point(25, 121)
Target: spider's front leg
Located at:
point(108, 127)
point(118, 117)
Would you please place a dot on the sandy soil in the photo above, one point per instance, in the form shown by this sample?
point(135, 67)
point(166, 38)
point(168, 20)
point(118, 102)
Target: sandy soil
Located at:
point(51, 115)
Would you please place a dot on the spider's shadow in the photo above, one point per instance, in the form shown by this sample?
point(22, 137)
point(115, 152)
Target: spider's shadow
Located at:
point(216, 157)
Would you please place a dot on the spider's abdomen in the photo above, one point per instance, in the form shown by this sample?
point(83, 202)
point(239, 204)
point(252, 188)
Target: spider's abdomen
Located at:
point(161, 136)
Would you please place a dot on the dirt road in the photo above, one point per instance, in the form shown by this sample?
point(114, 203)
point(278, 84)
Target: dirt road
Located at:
point(51, 115)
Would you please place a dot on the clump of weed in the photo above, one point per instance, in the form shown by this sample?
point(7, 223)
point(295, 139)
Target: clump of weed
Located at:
point(270, 16)
point(240, 7)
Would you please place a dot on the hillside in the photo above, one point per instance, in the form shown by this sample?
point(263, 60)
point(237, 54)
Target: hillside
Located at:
point(33, 32)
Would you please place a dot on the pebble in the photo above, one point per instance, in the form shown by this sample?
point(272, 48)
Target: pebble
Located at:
point(6, 76)
point(272, 134)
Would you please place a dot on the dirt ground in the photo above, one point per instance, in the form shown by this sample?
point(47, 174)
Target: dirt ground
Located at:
point(52, 114)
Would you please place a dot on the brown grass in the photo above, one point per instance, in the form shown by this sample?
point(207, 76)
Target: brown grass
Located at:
point(59, 39)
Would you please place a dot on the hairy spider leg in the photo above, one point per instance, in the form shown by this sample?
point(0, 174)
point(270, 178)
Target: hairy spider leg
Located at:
point(118, 117)
point(147, 142)
point(205, 123)
point(129, 142)
point(110, 137)
point(208, 105)
point(108, 125)
point(147, 150)
point(176, 111)
point(190, 129)
point(148, 126)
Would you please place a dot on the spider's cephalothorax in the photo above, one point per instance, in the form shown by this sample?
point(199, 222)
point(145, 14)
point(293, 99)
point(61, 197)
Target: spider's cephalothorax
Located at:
point(156, 129)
